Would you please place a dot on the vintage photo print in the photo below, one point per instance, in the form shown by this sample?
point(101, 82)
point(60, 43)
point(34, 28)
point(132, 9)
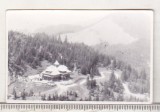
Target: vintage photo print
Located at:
point(79, 55)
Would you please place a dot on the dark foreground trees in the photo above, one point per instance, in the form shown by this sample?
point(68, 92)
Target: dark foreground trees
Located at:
point(113, 89)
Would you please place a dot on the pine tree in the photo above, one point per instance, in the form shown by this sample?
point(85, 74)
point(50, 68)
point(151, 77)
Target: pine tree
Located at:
point(14, 94)
point(23, 95)
point(97, 97)
point(49, 98)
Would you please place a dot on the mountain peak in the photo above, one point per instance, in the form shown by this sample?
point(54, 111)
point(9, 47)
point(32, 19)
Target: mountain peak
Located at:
point(104, 30)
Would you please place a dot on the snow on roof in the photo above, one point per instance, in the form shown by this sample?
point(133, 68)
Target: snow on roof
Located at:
point(63, 68)
point(51, 70)
point(56, 63)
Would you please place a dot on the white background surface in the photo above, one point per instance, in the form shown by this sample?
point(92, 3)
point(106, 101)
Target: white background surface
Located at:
point(81, 4)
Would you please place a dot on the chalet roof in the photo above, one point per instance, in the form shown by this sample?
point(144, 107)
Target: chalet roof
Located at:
point(51, 70)
point(63, 68)
point(56, 63)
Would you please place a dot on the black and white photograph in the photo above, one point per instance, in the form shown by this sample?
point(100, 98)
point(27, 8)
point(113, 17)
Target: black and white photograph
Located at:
point(79, 55)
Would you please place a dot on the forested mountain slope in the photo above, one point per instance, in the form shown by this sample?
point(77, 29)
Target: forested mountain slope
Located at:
point(25, 50)
point(136, 54)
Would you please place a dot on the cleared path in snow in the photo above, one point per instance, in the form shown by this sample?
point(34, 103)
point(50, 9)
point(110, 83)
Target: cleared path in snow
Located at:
point(128, 93)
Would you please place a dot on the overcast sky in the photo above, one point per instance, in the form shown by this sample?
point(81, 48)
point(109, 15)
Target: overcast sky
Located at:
point(33, 19)
point(137, 24)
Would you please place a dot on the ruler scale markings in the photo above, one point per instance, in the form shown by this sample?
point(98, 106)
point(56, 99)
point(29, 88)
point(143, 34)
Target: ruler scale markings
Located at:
point(41, 107)
point(102, 107)
point(94, 107)
point(24, 106)
point(44, 107)
point(84, 107)
point(47, 106)
point(99, 107)
point(27, 107)
point(30, 106)
point(139, 107)
point(36, 106)
point(77, 107)
point(115, 107)
point(152, 107)
point(65, 106)
point(148, 107)
point(9, 107)
point(122, 107)
point(158, 108)
point(51, 107)
point(155, 107)
point(119, 107)
point(59, 106)
point(3, 106)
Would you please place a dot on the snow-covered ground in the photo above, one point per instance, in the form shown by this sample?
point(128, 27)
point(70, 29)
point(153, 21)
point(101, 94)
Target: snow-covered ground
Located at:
point(78, 84)
point(128, 93)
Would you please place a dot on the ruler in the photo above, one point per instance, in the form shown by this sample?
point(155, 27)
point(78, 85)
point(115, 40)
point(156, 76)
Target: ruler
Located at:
point(78, 108)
